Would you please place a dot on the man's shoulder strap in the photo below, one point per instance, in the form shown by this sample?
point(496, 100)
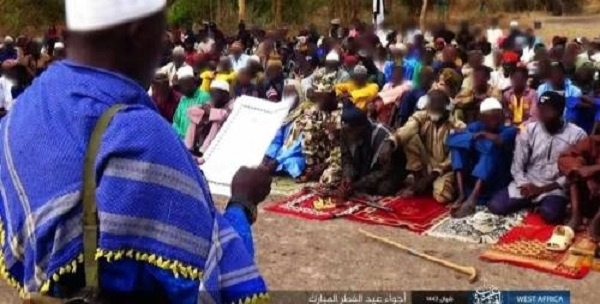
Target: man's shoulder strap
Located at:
point(90, 216)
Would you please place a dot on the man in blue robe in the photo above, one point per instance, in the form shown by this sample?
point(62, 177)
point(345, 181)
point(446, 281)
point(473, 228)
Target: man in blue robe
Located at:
point(160, 237)
point(481, 157)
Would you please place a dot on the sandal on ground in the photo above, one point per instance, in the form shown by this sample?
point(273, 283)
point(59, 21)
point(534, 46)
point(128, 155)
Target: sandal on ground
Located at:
point(562, 238)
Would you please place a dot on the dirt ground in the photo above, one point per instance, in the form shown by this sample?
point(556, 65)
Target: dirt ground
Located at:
point(300, 255)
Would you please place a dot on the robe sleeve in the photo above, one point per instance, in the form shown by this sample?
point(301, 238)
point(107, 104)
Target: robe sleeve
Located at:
point(521, 156)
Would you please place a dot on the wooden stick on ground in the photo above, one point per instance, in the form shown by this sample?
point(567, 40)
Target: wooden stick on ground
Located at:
point(470, 271)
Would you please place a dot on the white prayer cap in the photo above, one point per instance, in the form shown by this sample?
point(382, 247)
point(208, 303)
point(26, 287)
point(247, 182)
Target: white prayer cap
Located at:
point(514, 24)
point(490, 104)
point(336, 21)
point(360, 70)
point(8, 39)
point(218, 84)
point(92, 15)
point(254, 58)
point(423, 102)
point(178, 50)
point(59, 45)
point(333, 56)
point(185, 72)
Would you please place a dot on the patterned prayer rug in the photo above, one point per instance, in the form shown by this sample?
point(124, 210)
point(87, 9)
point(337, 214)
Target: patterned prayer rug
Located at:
point(481, 228)
point(286, 186)
point(308, 204)
point(525, 246)
point(415, 214)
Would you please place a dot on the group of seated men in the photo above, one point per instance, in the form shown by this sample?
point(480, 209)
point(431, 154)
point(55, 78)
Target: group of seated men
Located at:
point(468, 126)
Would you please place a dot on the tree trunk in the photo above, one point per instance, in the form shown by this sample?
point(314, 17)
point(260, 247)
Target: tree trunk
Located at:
point(242, 10)
point(423, 16)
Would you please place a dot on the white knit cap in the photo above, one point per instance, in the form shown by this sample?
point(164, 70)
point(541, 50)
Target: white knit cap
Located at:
point(333, 56)
point(490, 104)
point(219, 85)
point(185, 72)
point(8, 39)
point(92, 15)
point(59, 45)
point(514, 24)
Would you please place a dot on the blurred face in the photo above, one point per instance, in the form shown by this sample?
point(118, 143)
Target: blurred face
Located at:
point(160, 88)
point(437, 107)
point(360, 79)
point(449, 54)
point(274, 71)
point(398, 75)
point(331, 65)
point(325, 100)
point(557, 77)
point(353, 134)
point(187, 86)
point(549, 116)
point(427, 79)
point(480, 79)
point(519, 81)
point(475, 60)
point(224, 65)
point(218, 98)
point(244, 77)
point(178, 59)
point(508, 68)
point(492, 120)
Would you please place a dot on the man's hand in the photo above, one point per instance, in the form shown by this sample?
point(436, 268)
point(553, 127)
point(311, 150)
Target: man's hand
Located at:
point(347, 187)
point(252, 185)
point(269, 164)
point(531, 190)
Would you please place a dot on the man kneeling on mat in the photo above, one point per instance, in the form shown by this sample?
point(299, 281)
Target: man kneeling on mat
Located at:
point(481, 158)
point(423, 139)
point(581, 165)
point(365, 168)
point(537, 181)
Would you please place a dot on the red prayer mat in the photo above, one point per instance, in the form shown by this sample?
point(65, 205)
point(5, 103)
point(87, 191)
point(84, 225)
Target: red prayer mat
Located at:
point(310, 205)
point(525, 246)
point(416, 214)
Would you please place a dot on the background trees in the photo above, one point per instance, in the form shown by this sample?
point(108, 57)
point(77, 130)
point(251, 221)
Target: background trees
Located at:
point(23, 16)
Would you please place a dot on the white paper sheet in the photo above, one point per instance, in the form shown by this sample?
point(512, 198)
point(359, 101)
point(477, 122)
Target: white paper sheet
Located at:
point(243, 140)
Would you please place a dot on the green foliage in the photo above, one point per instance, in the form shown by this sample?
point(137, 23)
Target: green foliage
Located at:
point(20, 15)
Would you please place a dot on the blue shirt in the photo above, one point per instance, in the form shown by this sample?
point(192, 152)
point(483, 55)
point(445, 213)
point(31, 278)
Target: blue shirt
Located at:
point(409, 104)
point(156, 215)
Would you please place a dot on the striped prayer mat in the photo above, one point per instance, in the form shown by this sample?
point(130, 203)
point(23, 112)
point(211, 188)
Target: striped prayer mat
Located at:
point(481, 228)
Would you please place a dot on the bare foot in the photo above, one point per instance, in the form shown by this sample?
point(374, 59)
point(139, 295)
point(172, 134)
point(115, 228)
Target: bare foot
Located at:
point(406, 192)
point(467, 208)
point(595, 228)
point(458, 202)
point(575, 222)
